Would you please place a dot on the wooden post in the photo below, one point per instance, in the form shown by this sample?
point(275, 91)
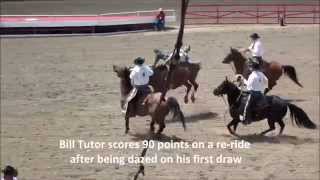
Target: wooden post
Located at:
point(176, 57)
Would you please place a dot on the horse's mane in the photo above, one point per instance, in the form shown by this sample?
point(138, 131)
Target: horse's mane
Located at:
point(240, 53)
point(160, 67)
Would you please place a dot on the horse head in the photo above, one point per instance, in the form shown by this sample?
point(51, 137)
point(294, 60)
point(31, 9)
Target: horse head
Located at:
point(234, 55)
point(124, 74)
point(224, 88)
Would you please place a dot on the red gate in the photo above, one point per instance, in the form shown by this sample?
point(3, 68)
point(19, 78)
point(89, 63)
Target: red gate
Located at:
point(252, 14)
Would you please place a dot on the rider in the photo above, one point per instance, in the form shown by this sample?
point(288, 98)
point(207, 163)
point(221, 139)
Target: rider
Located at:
point(139, 77)
point(256, 48)
point(184, 56)
point(256, 85)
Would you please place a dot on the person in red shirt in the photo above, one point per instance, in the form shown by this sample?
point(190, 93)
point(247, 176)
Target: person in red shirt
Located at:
point(160, 20)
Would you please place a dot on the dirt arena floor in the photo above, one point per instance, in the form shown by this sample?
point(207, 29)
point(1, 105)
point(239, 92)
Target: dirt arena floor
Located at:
point(59, 88)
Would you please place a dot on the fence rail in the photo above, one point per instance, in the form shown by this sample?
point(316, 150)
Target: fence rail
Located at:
point(252, 14)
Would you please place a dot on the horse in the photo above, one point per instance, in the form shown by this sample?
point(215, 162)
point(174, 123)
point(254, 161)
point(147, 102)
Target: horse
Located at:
point(274, 109)
point(150, 104)
point(184, 74)
point(273, 70)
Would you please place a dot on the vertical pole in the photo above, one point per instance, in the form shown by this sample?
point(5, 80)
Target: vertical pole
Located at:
point(284, 13)
point(278, 12)
point(257, 14)
point(314, 15)
point(218, 16)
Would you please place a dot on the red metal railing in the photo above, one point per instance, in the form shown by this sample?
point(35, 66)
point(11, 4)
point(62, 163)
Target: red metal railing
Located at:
point(252, 13)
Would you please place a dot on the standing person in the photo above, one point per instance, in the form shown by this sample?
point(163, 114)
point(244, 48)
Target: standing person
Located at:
point(256, 84)
point(139, 76)
point(160, 20)
point(9, 173)
point(256, 48)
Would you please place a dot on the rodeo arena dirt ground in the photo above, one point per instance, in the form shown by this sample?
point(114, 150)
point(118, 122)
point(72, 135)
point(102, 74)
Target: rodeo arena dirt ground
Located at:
point(55, 89)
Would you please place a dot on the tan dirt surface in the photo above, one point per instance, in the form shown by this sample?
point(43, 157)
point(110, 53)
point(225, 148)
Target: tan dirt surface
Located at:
point(55, 88)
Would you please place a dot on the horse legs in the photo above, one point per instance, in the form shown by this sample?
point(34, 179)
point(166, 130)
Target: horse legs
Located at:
point(281, 126)
point(161, 127)
point(233, 123)
point(235, 126)
point(188, 86)
point(127, 124)
point(152, 125)
point(195, 88)
point(271, 127)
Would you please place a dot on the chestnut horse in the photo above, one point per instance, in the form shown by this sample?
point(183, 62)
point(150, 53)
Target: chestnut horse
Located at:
point(184, 74)
point(273, 70)
point(143, 105)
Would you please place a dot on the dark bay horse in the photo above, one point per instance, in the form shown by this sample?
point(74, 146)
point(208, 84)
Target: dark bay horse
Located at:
point(274, 111)
point(273, 70)
point(147, 105)
point(184, 74)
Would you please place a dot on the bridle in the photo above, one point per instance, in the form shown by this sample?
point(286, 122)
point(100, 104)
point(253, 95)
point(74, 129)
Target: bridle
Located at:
point(230, 106)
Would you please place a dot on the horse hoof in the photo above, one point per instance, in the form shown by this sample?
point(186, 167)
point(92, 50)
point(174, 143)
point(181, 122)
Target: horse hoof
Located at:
point(186, 100)
point(127, 130)
point(193, 99)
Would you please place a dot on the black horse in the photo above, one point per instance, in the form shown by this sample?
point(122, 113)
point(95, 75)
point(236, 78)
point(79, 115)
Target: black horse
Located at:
point(274, 109)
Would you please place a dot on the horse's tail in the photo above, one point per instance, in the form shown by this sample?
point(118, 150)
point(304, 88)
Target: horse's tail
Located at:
point(300, 117)
point(177, 113)
point(291, 72)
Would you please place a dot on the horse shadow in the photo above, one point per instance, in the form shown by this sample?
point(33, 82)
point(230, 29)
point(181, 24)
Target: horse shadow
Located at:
point(197, 117)
point(294, 100)
point(286, 139)
point(155, 137)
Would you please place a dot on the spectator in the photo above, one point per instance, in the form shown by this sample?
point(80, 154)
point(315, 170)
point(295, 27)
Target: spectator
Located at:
point(9, 173)
point(160, 20)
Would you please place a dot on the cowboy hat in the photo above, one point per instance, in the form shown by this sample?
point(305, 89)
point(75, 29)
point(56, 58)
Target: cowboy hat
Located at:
point(10, 171)
point(139, 61)
point(254, 36)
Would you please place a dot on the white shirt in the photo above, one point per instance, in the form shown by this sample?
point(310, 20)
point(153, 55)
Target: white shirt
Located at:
point(256, 48)
point(140, 75)
point(257, 81)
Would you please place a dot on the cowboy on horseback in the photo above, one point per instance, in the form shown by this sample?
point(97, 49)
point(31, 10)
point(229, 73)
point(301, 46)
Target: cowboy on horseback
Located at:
point(256, 84)
point(256, 48)
point(184, 56)
point(139, 76)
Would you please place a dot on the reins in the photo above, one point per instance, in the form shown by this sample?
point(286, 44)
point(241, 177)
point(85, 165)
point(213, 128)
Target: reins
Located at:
point(230, 106)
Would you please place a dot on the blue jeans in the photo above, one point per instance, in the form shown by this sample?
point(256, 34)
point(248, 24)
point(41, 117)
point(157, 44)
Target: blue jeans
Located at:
point(254, 97)
point(159, 24)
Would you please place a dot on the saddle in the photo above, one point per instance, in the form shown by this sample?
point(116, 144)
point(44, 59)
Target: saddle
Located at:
point(257, 105)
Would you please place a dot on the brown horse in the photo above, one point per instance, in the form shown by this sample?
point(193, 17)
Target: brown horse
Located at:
point(273, 70)
point(150, 104)
point(184, 74)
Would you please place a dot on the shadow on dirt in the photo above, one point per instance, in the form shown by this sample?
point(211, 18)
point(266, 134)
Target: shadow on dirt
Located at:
point(198, 117)
point(282, 139)
point(294, 100)
point(155, 137)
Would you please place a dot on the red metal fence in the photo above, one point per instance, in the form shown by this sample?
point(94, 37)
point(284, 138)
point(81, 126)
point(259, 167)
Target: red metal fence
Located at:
point(252, 14)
